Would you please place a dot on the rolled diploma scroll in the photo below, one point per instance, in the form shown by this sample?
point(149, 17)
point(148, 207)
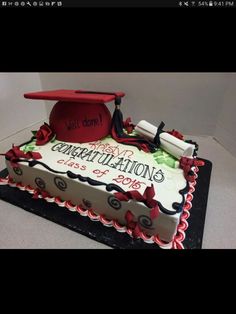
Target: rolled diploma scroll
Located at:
point(169, 143)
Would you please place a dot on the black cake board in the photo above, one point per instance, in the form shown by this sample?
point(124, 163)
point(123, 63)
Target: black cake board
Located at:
point(109, 235)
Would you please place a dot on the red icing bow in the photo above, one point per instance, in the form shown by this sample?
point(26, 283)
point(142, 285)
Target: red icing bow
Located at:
point(132, 224)
point(128, 125)
point(15, 153)
point(129, 217)
point(187, 163)
point(44, 135)
point(176, 134)
point(146, 198)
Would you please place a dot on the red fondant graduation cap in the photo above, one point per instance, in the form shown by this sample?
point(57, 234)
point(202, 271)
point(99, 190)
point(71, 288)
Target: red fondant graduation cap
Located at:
point(79, 116)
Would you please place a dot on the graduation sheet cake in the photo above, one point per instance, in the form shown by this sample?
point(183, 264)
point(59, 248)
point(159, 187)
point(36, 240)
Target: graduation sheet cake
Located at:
point(138, 178)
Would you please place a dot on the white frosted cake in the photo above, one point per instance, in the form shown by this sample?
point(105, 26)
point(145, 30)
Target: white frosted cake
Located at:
point(145, 193)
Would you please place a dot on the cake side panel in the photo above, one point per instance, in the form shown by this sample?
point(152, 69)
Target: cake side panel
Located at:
point(96, 198)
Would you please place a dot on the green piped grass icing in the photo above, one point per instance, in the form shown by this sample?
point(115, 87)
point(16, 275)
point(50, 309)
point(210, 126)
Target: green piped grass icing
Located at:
point(30, 147)
point(162, 157)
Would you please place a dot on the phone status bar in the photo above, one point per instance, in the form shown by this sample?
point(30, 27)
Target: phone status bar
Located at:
point(76, 3)
point(31, 4)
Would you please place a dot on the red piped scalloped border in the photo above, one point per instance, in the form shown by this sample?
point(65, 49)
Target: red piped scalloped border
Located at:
point(176, 243)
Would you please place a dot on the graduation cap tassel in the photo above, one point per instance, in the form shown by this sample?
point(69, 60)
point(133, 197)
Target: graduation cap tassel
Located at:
point(117, 132)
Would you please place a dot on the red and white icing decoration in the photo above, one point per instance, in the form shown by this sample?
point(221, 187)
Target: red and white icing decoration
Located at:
point(176, 243)
point(15, 153)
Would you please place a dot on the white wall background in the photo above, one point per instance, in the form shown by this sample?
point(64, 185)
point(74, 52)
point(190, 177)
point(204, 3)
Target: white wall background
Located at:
point(16, 112)
point(189, 102)
point(225, 131)
point(194, 103)
point(18, 116)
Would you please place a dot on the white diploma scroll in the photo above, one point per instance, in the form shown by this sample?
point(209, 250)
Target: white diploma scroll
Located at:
point(169, 143)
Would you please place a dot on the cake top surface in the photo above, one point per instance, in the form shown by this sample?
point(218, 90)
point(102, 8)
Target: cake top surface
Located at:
point(122, 166)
